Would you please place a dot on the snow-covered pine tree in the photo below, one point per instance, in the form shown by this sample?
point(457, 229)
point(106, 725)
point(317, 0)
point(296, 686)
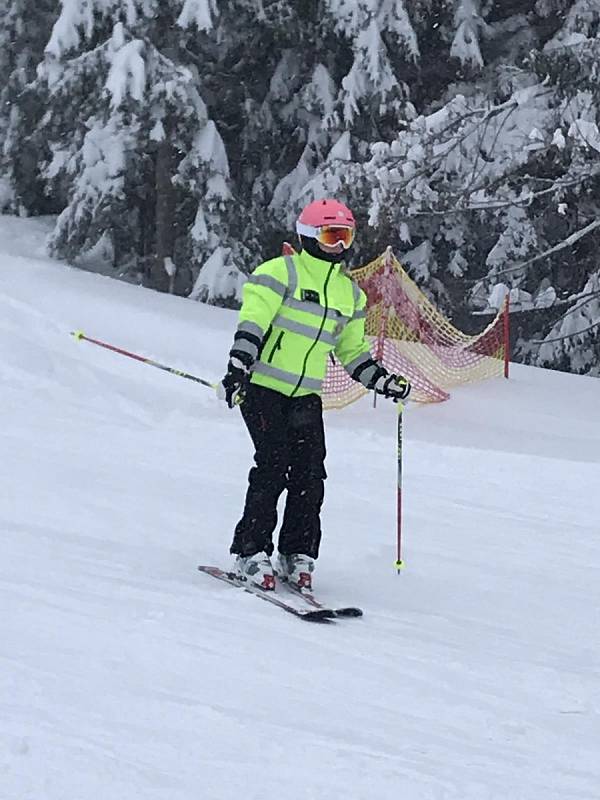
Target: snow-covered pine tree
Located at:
point(24, 29)
point(570, 62)
point(490, 186)
point(131, 140)
point(469, 27)
point(381, 38)
point(572, 342)
point(274, 85)
point(348, 61)
point(463, 132)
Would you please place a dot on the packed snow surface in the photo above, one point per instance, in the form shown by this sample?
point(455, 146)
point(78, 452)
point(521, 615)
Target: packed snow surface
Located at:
point(125, 674)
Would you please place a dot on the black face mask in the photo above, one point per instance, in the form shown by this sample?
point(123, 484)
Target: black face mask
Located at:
point(312, 248)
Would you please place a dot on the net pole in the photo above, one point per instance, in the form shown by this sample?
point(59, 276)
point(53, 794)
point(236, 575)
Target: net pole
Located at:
point(506, 335)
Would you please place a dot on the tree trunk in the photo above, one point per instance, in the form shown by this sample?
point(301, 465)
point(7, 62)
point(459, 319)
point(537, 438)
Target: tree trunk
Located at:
point(165, 218)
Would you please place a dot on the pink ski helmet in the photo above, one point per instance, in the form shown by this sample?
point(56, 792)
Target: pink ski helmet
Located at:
point(322, 213)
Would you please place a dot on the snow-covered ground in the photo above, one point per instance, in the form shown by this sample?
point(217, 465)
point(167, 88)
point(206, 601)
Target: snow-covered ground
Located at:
point(127, 675)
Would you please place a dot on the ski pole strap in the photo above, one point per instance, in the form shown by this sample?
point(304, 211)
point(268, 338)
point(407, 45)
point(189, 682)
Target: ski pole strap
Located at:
point(80, 335)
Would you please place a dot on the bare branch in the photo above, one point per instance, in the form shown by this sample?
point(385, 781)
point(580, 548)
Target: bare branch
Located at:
point(566, 335)
point(557, 304)
point(570, 240)
point(508, 105)
point(590, 296)
point(495, 206)
point(472, 186)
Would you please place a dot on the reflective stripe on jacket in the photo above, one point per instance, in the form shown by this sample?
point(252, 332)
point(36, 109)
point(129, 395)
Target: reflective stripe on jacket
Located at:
point(296, 310)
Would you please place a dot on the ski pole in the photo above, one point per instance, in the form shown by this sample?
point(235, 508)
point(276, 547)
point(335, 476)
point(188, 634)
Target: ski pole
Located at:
point(399, 563)
point(79, 335)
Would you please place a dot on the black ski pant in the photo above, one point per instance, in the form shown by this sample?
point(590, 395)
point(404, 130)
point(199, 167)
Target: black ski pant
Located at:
point(289, 438)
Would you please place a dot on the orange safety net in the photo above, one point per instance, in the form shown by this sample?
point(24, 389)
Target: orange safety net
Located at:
point(412, 338)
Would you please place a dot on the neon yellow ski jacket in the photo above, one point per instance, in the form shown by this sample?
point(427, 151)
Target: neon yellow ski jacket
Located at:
point(296, 310)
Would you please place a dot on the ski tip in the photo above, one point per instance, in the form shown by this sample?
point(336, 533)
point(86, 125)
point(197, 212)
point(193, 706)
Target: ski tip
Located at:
point(349, 612)
point(318, 615)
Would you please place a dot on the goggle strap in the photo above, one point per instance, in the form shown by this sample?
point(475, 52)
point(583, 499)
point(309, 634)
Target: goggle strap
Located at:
point(309, 230)
point(306, 230)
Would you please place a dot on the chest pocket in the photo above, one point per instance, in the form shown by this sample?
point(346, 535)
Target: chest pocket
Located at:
point(315, 301)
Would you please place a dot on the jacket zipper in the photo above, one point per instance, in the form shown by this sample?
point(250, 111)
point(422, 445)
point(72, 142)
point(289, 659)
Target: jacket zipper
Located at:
point(314, 344)
point(276, 346)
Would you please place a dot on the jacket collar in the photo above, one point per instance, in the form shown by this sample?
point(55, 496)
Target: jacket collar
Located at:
point(317, 263)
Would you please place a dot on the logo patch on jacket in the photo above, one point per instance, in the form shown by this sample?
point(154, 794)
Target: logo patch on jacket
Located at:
point(310, 296)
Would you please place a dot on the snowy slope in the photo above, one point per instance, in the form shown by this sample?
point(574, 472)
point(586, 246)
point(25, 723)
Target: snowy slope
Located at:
point(127, 675)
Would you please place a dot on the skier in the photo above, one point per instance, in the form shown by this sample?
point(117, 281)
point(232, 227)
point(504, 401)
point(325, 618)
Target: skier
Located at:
point(296, 310)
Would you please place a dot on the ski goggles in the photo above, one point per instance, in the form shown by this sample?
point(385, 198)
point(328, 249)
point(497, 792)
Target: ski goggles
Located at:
point(329, 235)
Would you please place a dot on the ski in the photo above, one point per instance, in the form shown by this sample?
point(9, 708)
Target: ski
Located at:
point(312, 601)
point(312, 614)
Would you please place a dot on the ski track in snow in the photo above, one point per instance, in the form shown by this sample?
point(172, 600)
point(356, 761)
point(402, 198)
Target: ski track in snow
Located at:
point(125, 673)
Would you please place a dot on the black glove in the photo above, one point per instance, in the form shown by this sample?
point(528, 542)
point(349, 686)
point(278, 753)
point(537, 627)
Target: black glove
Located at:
point(233, 387)
point(395, 387)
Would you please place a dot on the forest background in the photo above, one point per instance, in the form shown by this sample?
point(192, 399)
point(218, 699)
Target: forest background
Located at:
point(173, 144)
